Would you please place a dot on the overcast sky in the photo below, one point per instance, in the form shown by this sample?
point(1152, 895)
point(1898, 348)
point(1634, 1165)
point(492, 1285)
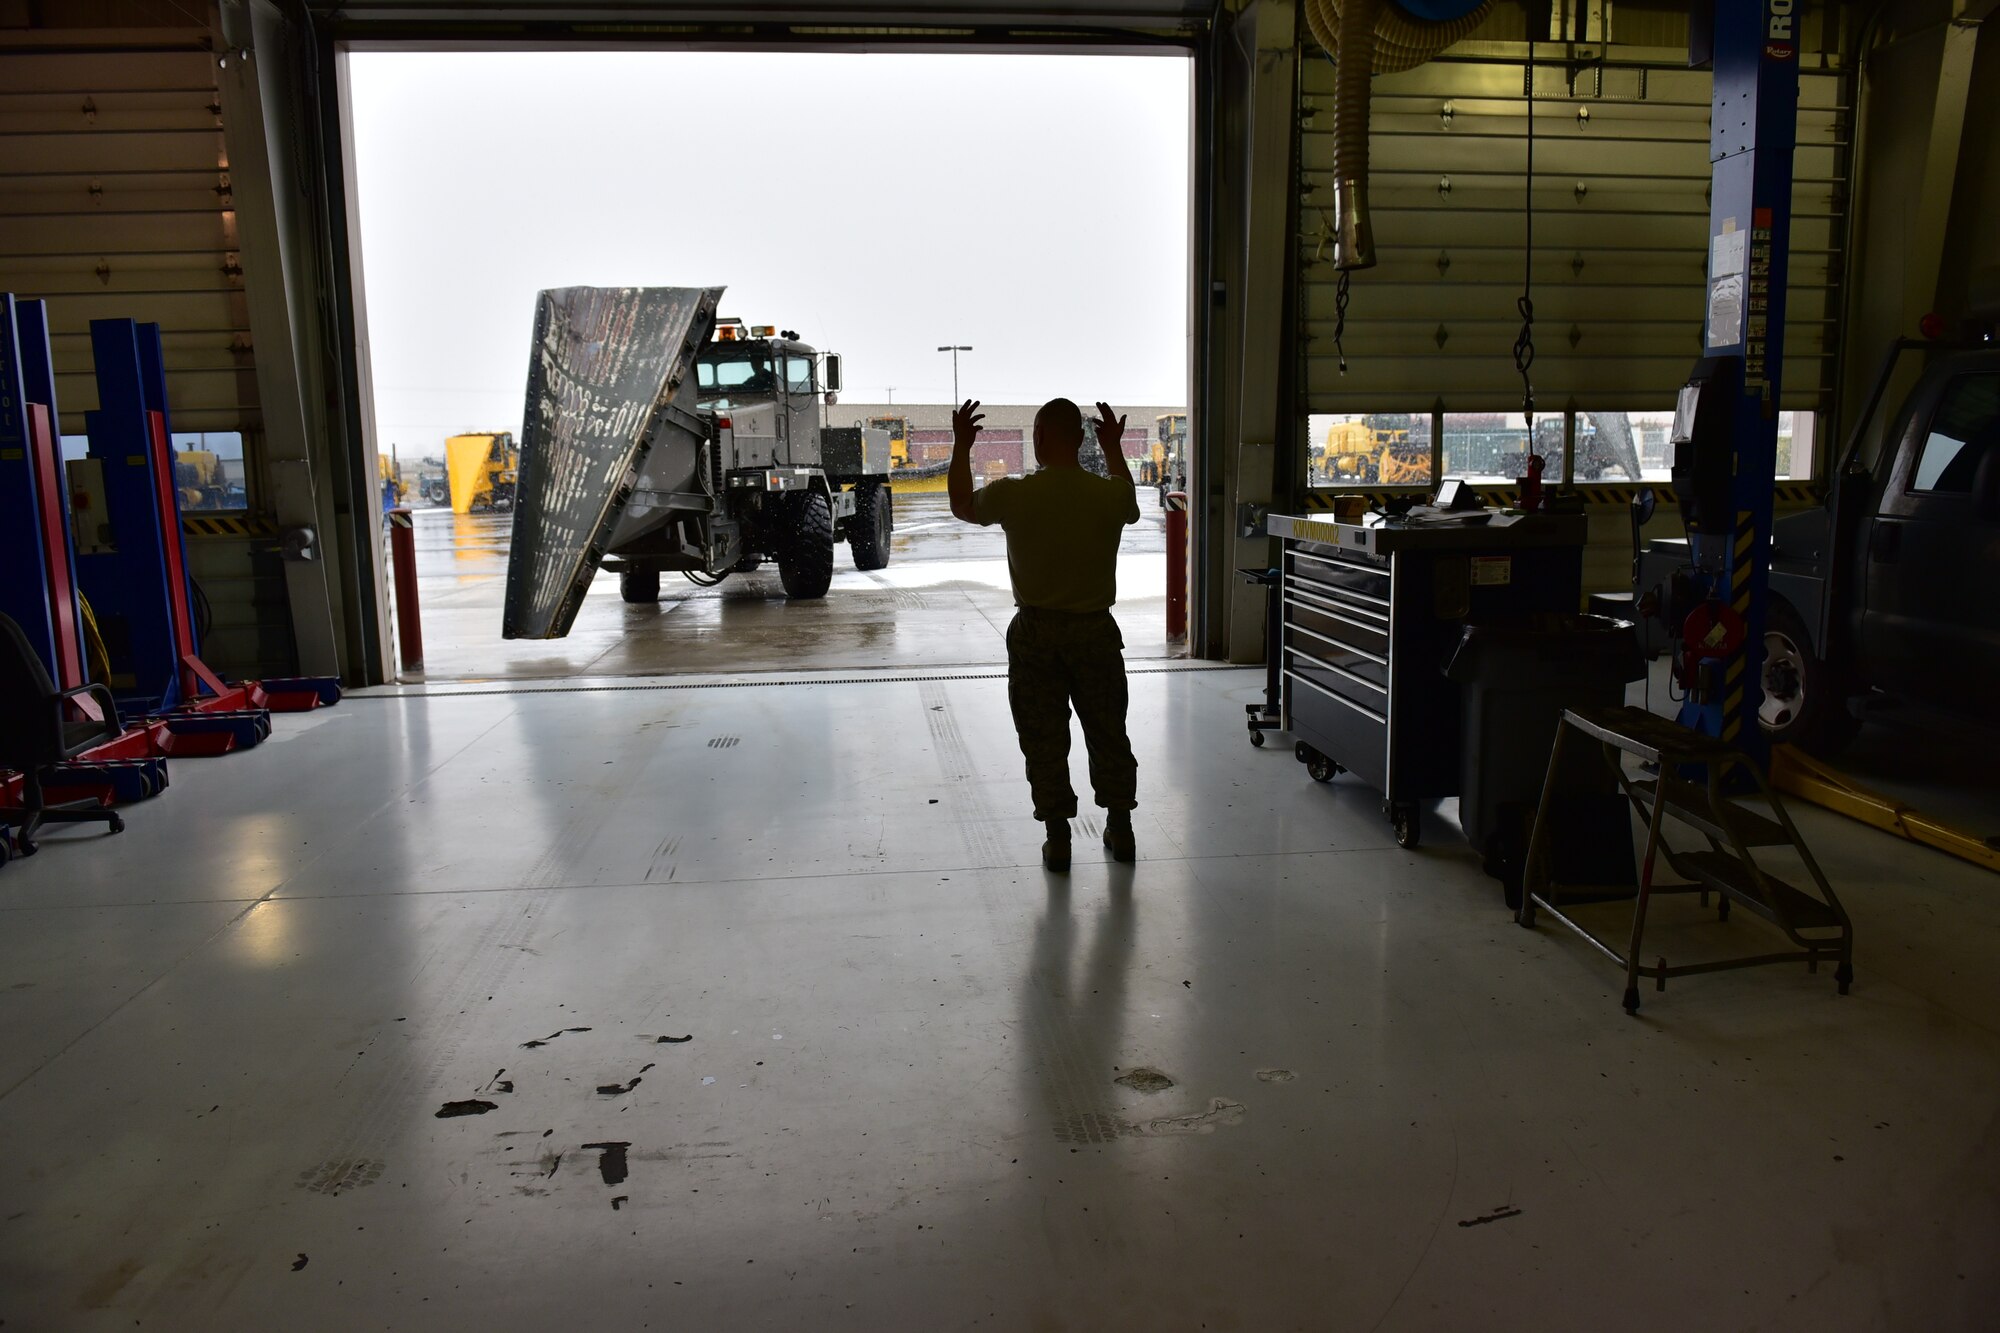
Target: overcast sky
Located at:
point(1034, 207)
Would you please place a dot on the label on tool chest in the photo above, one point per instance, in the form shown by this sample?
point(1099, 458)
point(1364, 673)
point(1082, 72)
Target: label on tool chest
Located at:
point(1492, 571)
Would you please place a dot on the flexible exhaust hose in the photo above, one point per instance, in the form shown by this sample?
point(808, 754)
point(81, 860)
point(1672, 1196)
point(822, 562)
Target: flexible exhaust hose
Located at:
point(1365, 38)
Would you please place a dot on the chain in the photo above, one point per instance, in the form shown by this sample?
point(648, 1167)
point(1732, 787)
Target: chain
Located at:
point(1340, 318)
point(1524, 346)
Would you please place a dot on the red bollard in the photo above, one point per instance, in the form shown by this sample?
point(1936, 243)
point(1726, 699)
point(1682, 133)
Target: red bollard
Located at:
point(1177, 524)
point(403, 554)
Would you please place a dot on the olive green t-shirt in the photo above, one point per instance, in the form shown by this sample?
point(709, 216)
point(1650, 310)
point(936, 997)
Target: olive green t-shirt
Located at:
point(1062, 526)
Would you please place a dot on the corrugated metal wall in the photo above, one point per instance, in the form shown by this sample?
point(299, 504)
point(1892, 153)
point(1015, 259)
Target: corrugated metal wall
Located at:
point(1620, 230)
point(115, 202)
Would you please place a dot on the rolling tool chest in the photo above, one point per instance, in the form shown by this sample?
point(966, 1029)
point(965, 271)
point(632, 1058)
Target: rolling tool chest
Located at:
point(1372, 612)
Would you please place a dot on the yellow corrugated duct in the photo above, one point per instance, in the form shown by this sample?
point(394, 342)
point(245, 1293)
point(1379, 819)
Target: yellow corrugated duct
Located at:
point(1366, 38)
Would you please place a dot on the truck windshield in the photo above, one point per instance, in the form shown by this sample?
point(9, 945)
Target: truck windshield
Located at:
point(722, 368)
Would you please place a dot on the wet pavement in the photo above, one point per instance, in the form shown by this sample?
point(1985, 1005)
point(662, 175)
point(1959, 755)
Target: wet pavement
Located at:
point(943, 601)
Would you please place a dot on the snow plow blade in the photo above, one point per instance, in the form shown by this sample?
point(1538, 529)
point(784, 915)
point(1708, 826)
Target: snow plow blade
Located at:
point(606, 361)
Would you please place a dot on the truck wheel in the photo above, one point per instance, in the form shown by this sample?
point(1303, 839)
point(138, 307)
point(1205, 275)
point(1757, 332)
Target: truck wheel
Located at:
point(1805, 700)
point(639, 585)
point(805, 557)
point(868, 532)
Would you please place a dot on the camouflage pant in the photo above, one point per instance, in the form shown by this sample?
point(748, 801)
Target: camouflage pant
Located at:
point(1055, 660)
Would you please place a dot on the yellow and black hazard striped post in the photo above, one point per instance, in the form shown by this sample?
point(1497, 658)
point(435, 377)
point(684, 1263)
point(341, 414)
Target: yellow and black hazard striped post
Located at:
point(1742, 566)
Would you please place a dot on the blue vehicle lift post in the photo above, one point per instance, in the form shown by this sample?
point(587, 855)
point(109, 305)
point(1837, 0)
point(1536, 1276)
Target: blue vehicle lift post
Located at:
point(40, 594)
point(1753, 128)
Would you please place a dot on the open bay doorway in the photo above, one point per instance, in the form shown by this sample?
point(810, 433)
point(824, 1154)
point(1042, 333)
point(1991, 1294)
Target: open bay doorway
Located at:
point(1003, 227)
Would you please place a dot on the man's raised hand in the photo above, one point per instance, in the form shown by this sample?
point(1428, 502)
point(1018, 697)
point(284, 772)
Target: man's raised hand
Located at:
point(1110, 430)
point(965, 423)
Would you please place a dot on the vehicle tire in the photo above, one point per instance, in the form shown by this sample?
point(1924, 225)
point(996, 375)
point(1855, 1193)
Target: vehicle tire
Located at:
point(805, 552)
point(868, 532)
point(1257, 738)
point(1321, 769)
point(435, 494)
point(1805, 700)
point(639, 585)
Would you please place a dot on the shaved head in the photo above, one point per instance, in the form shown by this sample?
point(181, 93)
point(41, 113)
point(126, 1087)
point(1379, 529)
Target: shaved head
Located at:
point(1060, 422)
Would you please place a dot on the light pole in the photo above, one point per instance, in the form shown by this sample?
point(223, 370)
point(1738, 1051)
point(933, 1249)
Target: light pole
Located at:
point(955, 350)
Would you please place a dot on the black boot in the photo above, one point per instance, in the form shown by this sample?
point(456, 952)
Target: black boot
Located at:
point(1055, 847)
point(1118, 836)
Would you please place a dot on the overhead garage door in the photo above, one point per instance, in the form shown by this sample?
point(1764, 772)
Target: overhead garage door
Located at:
point(1620, 229)
point(116, 203)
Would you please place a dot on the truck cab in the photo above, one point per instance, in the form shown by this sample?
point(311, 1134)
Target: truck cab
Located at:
point(1891, 585)
point(1910, 550)
point(742, 370)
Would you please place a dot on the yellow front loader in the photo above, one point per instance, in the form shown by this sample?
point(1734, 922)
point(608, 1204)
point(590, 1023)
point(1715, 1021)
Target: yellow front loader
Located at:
point(482, 469)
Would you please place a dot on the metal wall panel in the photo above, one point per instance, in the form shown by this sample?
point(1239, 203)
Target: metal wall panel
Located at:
point(115, 201)
point(1620, 234)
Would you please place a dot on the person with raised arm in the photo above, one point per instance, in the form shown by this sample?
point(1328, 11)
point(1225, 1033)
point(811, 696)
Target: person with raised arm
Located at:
point(1063, 525)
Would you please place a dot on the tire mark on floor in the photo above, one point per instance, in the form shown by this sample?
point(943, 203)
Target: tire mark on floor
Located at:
point(1075, 1103)
point(359, 1145)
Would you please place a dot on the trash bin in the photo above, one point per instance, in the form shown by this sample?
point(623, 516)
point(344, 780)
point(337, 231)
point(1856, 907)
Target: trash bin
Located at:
point(1515, 678)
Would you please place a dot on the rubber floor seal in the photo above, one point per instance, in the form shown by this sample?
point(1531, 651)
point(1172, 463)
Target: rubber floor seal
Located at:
point(525, 687)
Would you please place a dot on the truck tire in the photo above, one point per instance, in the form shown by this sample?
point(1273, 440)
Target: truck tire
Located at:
point(1805, 698)
point(639, 585)
point(805, 552)
point(868, 532)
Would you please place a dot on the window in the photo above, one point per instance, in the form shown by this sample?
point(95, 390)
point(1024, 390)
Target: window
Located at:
point(1965, 429)
point(1610, 444)
point(1492, 447)
point(746, 370)
point(208, 468)
point(208, 471)
point(1368, 449)
point(798, 374)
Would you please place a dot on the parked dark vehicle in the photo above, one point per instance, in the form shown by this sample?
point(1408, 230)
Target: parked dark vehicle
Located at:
point(1892, 585)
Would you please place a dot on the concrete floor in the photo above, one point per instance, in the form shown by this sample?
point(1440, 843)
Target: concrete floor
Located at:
point(1371, 1101)
point(943, 601)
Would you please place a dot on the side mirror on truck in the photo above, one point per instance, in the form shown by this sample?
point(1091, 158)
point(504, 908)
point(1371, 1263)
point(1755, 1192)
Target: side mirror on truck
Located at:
point(830, 374)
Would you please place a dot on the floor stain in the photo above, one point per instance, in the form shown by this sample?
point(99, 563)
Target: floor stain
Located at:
point(543, 1041)
point(618, 1089)
point(617, 1199)
point(1500, 1214)
point(1275, 1076)
point(1143, 1079)
point(1221, 1111)
point(611, 1161)
point(472, 1106)
point(102, 1292)
point(671, 1041)
point(299, 1262)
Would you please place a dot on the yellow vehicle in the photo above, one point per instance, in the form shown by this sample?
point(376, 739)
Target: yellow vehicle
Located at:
point(482, 469)
point(1351, 456)
point(389, 476)
point(1403, 461)
point(198, 477)
point(899, 438)
point(1368, 453)
point(1165, 464)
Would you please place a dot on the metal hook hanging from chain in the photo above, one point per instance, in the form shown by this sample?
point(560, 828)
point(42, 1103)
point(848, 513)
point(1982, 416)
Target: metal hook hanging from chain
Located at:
point(1524, 345)
point(1340, 319)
